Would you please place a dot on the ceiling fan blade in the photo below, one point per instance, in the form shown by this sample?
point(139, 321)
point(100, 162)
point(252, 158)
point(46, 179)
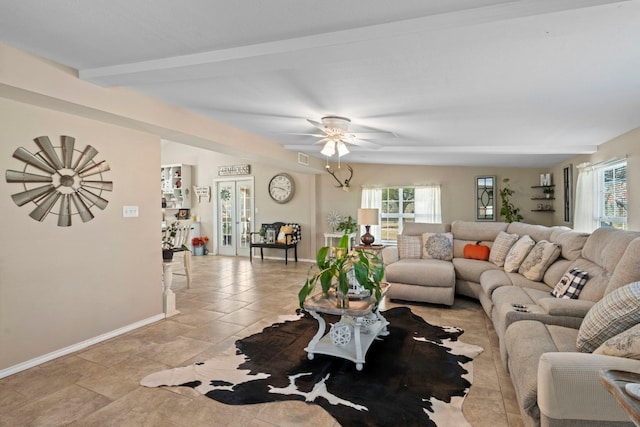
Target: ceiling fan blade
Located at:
point(316, 124)
point(305, 134)
point(373, 135)
point(322, 141)
point(360, 143)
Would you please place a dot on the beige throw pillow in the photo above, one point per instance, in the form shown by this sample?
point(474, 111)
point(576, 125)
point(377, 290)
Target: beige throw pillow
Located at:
point(437, 246)
point(539, 259)
point(409, 246)
point(282, 235)
point(500, 248)
point(518, 253)
point(625, 344)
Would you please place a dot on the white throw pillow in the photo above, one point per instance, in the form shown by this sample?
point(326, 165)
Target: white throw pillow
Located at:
point(437, 246)
point(409, 246)
point(625, 344)
point(541, 256)
point(501, 246)
point(518, 253)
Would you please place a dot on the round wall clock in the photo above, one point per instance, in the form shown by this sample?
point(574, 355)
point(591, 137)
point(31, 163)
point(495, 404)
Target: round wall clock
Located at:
point(60, 180)
point(281, 188)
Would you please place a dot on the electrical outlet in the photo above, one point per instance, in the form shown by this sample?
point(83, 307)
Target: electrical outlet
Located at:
point(129, 211)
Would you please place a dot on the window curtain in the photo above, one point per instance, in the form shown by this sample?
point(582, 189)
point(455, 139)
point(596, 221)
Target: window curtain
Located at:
point(428, 207)
point(372, 198)
point(584, 217)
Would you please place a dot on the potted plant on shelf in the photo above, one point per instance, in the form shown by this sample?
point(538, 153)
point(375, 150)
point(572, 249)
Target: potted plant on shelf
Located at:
point(548, 192)
point(339, 269)
point(198, 244)
point(508, 210)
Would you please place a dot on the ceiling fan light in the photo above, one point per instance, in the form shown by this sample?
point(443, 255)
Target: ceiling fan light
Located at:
point(342, 149)
point(329, 149)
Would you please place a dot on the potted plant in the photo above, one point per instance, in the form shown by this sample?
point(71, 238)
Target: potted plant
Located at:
point(198, 244)
point(262, 233)
point(548, 192)
point(168, 242)
point(508, 210)
point(338, 267)
point(348, 225)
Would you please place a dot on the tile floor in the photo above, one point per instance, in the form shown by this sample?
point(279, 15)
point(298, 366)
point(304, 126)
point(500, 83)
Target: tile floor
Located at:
point(229, 298)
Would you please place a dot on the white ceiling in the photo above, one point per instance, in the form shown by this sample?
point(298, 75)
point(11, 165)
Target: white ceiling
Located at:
point(459, 82)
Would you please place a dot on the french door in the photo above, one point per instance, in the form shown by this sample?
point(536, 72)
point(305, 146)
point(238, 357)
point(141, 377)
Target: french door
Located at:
point(233, 216)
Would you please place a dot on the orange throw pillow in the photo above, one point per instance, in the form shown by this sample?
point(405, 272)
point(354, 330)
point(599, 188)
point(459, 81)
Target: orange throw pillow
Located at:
point(476, 251)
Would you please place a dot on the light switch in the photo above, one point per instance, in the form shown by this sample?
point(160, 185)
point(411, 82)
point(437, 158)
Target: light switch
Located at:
point(129, 211)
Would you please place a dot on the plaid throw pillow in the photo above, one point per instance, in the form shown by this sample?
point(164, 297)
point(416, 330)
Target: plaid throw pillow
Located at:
point(409, 246)
point(571, 284)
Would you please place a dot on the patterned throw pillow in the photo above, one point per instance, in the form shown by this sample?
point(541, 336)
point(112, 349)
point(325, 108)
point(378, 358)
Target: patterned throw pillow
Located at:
point(518, 253)
point(625, 344)
point(284, 230)
point(571, 284)
point(500, 249)
point(612, 315)
point(539, 259)
point(437, 246)
point(409, 246)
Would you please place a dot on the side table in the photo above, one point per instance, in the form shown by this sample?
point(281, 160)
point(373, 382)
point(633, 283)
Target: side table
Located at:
point(328, 237)
point(168, 297)
point(615, 381)
point(363, 322)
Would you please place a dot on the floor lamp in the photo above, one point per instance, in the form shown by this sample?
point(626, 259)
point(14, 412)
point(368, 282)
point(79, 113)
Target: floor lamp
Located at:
point(367, 217)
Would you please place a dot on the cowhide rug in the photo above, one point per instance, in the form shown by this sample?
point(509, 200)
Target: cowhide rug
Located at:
point(417, 375)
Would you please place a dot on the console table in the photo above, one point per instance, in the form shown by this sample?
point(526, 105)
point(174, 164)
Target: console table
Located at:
point(363, 321)
point(328, 238)
point(615, 381)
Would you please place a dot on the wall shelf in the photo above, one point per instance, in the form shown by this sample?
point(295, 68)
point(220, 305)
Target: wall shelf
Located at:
point(543, 210)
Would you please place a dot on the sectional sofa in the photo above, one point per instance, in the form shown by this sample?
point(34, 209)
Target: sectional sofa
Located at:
point(553, 347)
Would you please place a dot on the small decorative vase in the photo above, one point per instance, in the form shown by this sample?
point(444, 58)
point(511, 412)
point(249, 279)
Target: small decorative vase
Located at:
point(342, 300)
point(198, 250)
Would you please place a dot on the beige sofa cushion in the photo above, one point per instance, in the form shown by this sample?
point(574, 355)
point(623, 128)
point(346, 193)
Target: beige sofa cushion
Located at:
point(613, 314)
point(538, 260)
point(628, 268)
point(417, 228)
point(501, 246)
point(536, 232)
point(471, 269)
point(477, 231)
point(423, 272)
point(518, 253)
point(409, 246)
point(570, 241)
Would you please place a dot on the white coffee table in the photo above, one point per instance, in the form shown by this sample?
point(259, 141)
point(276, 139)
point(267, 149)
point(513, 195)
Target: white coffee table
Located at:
point(364, 322)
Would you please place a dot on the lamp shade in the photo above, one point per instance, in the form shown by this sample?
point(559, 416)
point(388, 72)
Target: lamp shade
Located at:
point(368, 216)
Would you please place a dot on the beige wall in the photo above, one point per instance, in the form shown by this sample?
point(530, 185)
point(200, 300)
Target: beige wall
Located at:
point(63, 285)
point(625, 145)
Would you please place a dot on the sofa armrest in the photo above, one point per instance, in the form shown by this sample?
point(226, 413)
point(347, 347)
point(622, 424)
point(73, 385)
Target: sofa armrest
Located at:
point(565, 307)
point(389, 255)
point(569, 386)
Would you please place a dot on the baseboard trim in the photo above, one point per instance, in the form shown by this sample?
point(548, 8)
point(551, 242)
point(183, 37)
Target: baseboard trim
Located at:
point(79, 346)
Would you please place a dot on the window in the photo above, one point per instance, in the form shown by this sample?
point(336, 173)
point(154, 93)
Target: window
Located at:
point(612, 195)
point(400, 205)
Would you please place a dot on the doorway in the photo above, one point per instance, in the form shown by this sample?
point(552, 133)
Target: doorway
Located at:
point(233, 216)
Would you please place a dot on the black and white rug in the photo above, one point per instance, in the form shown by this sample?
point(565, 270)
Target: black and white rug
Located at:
point(417, 375)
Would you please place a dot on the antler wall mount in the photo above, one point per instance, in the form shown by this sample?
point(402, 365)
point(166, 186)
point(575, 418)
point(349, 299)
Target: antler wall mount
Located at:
point(346, 185)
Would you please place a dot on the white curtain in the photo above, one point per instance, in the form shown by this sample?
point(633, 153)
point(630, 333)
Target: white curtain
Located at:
point(372, 198)
point(428, 207)
point(584, 216)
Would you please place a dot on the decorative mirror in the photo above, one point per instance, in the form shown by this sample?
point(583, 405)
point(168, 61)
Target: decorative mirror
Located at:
point(485, 198)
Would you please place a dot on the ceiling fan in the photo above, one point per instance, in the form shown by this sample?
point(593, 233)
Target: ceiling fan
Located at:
point(335, 135)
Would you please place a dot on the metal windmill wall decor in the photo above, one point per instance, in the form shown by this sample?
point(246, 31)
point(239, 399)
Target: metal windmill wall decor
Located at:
point(58, 184)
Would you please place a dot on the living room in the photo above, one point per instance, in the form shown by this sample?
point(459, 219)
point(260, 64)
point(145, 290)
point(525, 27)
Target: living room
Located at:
point(66, 288)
